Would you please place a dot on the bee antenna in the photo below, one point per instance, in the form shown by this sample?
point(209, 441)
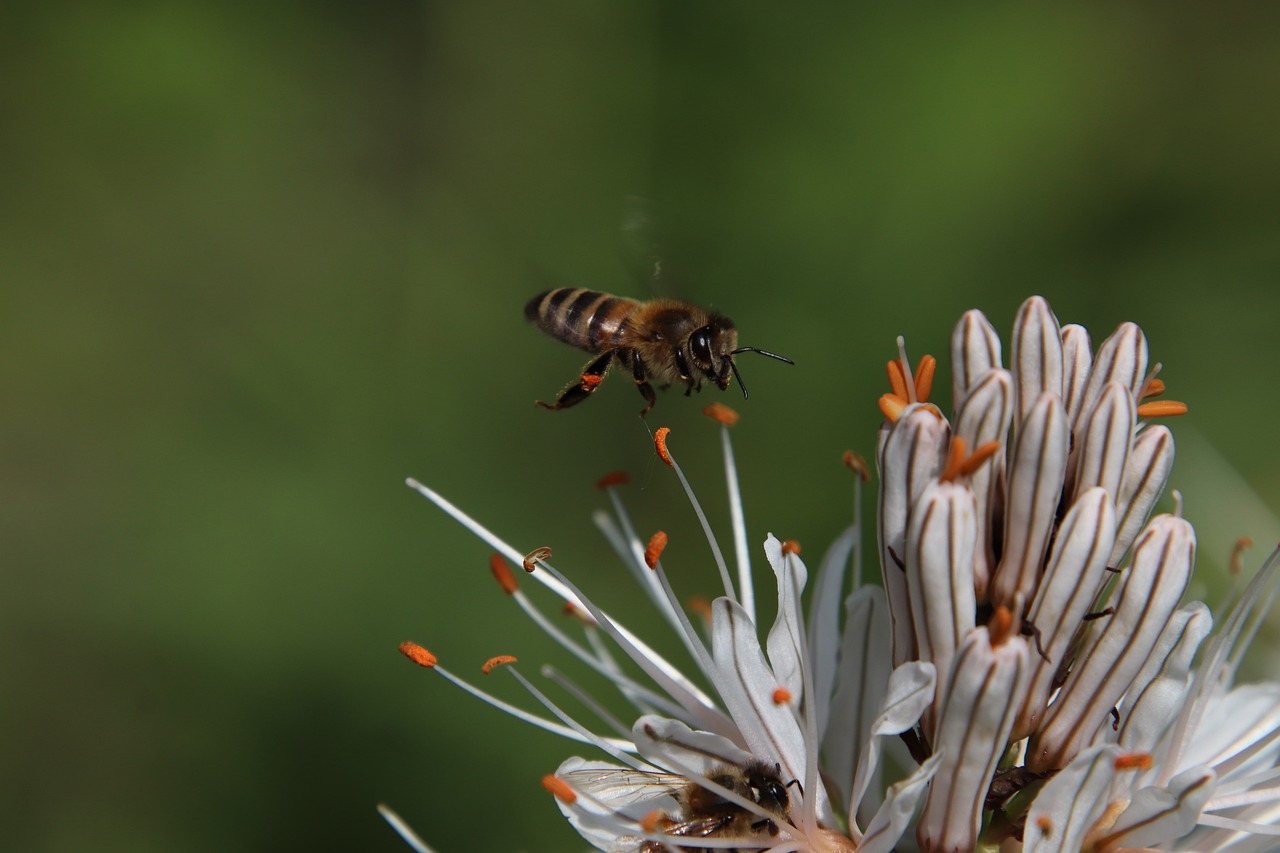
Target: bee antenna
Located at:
point(762, 352)
point(738, 376)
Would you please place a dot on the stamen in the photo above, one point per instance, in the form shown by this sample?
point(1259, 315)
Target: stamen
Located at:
point(924, 377)
point(892, 405)
point(1162, 409)
point(955, 456)
point(722, 413)
point(573, 611)
point(1134, 761)
point(496, 661)
point(1236, 563)
point(1155, 387)
point(1001, 626)
point(699, 606)
point(857, 465)
point(402, 829)
point(791, 546)
point(559, 789)
point(653, 550)
point(741, 549)
point(533, 557)
point(502, 573)
point(660, 443)
point(781, 696)
point(418, 654)
point(613, 478)
point(897, 379)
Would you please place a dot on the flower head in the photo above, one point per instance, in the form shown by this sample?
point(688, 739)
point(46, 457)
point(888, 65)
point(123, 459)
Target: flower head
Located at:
point(1024, 676)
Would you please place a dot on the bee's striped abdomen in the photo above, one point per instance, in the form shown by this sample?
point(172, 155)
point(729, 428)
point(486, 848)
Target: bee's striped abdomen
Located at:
point(587, 319)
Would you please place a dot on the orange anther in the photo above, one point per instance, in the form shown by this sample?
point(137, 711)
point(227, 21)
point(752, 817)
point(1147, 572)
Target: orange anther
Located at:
point(856, 464)
point(591, 380)
point(660, 443)
point(502, 573)
point(1161, 409)
point(781, 696)
point(979, 456)
point(654, 549)
point(924, 377)
point(722, 413)
point(1236, 564)
point(613, 478)
point(417, 654)
point(701, 607)
point(1134, 761)
point(897, 380)
point(496, 661)
point(892, 405)
point(1154, 388)
point(531, 559)
point(791, 546)
point(955, 459)
point(1001, 626)
point(558, 788)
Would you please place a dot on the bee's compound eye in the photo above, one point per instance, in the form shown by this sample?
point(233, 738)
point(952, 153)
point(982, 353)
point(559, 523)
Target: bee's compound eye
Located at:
point(700, 346)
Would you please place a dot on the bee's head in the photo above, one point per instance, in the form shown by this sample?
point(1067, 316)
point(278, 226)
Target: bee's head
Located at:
point(711, 349)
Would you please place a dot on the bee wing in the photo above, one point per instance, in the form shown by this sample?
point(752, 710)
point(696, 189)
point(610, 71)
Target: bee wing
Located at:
point(702, 827)
point(621, 787)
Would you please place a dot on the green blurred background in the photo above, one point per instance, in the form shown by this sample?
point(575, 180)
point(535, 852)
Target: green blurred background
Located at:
point(262, 261)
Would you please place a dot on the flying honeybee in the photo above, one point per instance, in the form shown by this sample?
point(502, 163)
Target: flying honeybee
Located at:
point(703, 813)
point(664, 340)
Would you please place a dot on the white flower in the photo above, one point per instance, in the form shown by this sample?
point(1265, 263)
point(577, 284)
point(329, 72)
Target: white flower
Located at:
point(1024, 677)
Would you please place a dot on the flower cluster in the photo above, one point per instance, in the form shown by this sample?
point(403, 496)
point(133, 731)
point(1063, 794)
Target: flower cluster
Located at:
point(1025, 678)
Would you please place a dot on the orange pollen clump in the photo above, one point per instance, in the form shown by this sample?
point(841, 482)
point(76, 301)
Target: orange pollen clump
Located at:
point(856, 464)
point(1001, 626)
point(924, 377)
point(502, 574)
point(654, 549)
point(1045, 824)
point(613, 478)
point(897, 380)
point(417, 654)
point(531, 559)
point(1161, 409)
point(660, 443)
point(781, 696)
point(558, 788)
point(722, 413)
point(591, 380)
point(791, 546)
point(1134, 761)
point(891, 405)
point(496, 661)
point(649, 823)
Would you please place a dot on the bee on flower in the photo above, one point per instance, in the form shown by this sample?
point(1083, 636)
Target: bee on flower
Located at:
point(1025, 678)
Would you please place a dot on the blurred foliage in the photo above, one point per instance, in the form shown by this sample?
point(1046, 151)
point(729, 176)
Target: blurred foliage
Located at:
point(262, 261)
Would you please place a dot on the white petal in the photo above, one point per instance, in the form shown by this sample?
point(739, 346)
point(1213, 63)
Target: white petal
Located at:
point(1076, 568)
point(975, 349)
point(1160, 689)
point(1037, 355)
point(1157, 815)
point(911, 689)
point(1077, 360)
point(860, 686)
point(1105, 439)
point(786, 642)
point(1121, 358)
point(1150, 462)
point(985, 417)
point(1071, 802)
point(1036, 470)
point(894, 815)
point(1118, 645)
point(824, 622)
point(671, 744)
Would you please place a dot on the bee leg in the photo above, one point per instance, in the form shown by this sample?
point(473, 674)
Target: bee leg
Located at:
point(642, 382)
point(575, 393)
